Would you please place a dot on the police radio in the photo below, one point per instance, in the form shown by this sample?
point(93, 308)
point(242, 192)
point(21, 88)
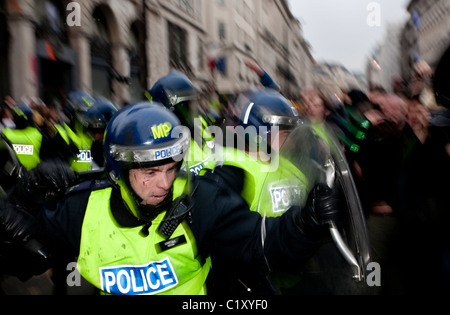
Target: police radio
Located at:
point(175, 216)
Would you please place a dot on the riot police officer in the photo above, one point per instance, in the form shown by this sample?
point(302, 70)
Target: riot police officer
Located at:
point(31, 144)
point(148, 230)
point(270, 181)
point(26, 139)
point(89, 117)
point(177, 93)
point(94, 121)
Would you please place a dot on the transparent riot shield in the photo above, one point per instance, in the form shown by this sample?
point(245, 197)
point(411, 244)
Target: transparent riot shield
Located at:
point(310, 156)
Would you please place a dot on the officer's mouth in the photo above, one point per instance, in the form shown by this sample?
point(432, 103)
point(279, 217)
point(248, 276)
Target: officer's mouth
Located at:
point(159, 198)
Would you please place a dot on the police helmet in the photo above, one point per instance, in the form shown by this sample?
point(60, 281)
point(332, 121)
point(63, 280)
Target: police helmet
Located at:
point(98, 114)
point(140, 136)
point(80, 100)
point(23, 116)
point(264, 109)
point(175, 91)
point(78, 103)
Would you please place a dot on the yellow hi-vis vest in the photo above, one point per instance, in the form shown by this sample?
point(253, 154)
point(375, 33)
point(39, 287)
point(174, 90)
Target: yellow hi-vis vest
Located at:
point(254, 171)
point(119, 260)
point(26, 144)
point(83, 162)
point(198, 157)
point(269, 189)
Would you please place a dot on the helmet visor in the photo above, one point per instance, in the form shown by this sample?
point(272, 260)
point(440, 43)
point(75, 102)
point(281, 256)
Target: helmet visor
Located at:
point(144, 155)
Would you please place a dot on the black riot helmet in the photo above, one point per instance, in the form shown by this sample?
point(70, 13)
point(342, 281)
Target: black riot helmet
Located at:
point(177, 93)
point(23, 116)
point(78, 103)
point(98, 114)
point(264, 109)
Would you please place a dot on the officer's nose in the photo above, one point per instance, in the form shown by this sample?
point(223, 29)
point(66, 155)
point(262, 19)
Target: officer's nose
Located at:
point(165, 181)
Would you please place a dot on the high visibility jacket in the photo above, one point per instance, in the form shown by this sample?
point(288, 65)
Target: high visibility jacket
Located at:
point(122, 261)
point(198, 157)
point(269, 188)
point(83, 162)
point(27, 145)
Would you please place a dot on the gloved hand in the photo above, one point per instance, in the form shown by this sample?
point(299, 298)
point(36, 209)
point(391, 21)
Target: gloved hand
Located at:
point(48, 181)
point(16, 224)
point(322, 207)
point(19, 245)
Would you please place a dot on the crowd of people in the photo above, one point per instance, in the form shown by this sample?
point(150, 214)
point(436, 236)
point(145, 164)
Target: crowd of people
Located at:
point(107, 187)
point(397, 145)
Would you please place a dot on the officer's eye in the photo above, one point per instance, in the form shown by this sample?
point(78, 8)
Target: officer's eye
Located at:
point(173, 169)
point(149, 173)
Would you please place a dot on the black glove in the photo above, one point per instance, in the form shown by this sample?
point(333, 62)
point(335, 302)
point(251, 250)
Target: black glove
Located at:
point(322, 207)
point(22, 255)
point(47, 182)
point(16, 224)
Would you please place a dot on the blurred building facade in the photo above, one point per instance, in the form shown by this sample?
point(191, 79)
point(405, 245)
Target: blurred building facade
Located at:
point(428, 30)
point(119, 48)
point(385, 61)
point(262, 30)
point(424, 36)
point(334, 79)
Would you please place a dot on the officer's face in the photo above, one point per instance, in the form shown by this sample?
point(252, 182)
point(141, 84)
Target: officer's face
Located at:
point(153, 184)
point(279, 139)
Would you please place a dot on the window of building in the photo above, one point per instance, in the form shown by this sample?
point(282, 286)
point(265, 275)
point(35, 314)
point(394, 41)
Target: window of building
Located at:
point(178, 47)
point(138, 72)
point(201, 55)
point(192, 7)
point(222, 31)
point(101, 59)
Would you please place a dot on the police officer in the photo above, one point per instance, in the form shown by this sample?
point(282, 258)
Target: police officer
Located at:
point(94, 121)
point(150, 231)
point(266, 179)
point(26, 139)
point(31, 145)
point(177, 93)
point(89, 117)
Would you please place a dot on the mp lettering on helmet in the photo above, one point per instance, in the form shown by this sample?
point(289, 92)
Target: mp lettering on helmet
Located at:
point(161, 131)
point(156, 277)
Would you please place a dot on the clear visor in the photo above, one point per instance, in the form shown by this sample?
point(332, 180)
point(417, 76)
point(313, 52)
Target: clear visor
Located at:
point(282, 120)
point(175, 151)
point(180, 97)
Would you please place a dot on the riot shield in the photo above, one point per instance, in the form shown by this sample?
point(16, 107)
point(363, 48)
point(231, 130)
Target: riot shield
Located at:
point(310, 156)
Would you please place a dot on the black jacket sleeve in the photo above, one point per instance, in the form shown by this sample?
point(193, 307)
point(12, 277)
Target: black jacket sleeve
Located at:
point(223, 224)
point(63, 224)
